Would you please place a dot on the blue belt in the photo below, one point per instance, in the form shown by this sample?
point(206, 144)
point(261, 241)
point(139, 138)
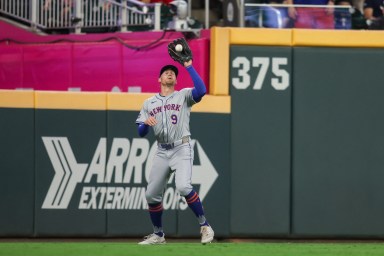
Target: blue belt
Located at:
point(168, 146)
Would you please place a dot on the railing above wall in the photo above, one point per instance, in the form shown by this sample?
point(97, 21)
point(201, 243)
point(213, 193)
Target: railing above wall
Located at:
point(81, 15)
point(84, 16)
point(240, 13)
point(307, 16)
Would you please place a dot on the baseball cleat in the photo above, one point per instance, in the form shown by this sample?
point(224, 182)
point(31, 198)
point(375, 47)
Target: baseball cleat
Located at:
point(153, 239)
point(207, 234)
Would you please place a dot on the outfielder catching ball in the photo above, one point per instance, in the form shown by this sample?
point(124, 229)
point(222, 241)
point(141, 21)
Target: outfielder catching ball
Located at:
point(168, 113)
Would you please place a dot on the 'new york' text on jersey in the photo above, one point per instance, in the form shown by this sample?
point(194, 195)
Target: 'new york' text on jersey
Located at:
point(172, 113)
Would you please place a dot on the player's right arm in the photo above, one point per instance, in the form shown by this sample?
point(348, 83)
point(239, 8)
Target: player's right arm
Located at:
point(143, 128)
point(144, 120)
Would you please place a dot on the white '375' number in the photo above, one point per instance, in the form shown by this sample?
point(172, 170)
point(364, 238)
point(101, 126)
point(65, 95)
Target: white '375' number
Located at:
point(243, 80)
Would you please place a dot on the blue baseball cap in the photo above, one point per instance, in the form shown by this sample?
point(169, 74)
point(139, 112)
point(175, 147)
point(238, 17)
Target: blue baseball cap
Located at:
point(167, 67)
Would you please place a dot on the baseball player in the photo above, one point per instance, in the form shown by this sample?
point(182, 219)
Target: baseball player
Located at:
point(168, 113)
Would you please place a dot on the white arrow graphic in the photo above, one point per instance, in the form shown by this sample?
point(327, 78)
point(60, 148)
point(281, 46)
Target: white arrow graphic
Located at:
point(204, 174)
point(67, 173)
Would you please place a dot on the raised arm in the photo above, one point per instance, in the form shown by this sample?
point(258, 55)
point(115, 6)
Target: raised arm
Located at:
point(199, 89)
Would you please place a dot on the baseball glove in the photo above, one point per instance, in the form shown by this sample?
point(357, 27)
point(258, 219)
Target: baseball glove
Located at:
point(182, 56)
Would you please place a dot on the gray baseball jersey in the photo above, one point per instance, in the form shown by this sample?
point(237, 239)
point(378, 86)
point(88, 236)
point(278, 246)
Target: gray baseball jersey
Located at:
point(172, 113)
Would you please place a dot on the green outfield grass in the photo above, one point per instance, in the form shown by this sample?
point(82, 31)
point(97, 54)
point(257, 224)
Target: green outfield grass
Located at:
point(190, 249)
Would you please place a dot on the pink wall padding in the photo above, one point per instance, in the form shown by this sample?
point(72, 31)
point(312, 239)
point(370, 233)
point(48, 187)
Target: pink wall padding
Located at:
point(92, 62)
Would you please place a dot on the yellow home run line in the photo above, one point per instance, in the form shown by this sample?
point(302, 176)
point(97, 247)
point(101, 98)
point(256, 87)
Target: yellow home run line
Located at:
point(98, 101)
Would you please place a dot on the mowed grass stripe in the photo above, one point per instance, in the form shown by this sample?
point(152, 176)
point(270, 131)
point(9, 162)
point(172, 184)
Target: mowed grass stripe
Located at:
point(189, 249)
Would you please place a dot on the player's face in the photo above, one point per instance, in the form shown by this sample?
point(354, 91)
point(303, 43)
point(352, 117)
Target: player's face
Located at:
point(168, 78)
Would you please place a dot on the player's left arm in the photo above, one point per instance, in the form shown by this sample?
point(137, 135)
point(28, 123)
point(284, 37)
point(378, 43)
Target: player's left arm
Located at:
point(199, 89)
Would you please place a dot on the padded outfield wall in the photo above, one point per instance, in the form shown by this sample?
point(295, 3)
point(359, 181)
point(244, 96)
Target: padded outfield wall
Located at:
point(288, 144)
point(306, 131)
point(73, 165)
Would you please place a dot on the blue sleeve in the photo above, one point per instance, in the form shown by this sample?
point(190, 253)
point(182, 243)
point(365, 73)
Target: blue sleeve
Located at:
point(143, 129)
point(199, 90)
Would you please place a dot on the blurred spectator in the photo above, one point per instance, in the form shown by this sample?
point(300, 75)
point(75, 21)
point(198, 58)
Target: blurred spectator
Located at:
point(157, 1)
point(286, 21)
point(347, 3)
point(343, 16)
point(358, 19)
point(343, 2)
point(373, 9)
point(217, 7)
point(358, 5)
point(373, 12)
point(268, 16)
point(105, 5)
point(308, 17)
point(166, 14)
point(181, 18)
point(174, 14)
point(58, 16)
point(64, 6)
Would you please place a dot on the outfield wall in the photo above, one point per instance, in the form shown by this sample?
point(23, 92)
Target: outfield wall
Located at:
point(73, 165)
point(294, 151)
point(306, 132)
